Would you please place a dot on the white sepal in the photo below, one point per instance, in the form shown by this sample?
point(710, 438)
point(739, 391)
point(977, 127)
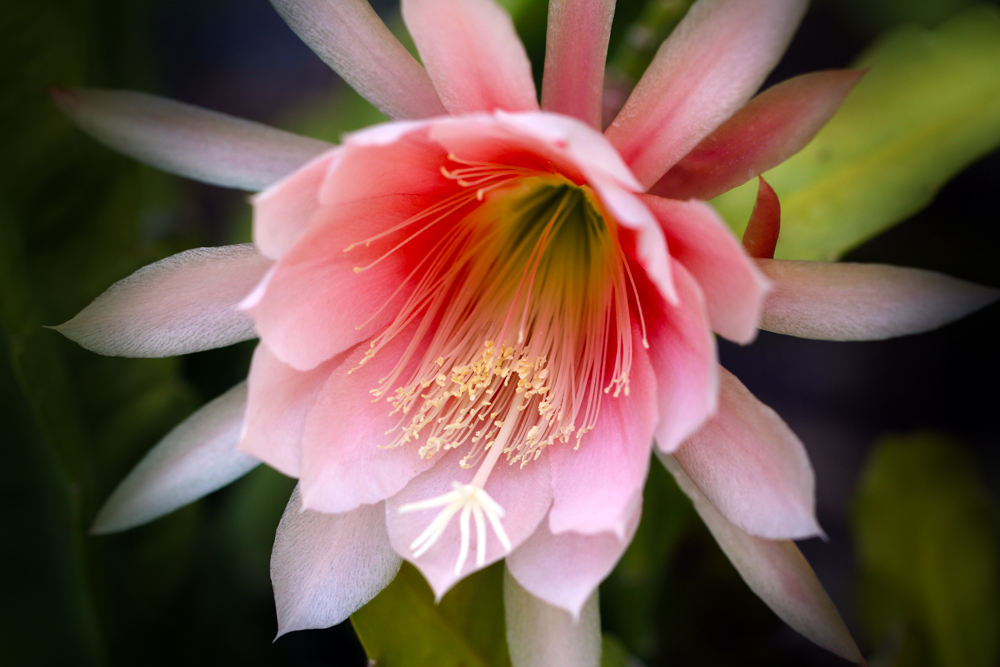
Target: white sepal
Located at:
point(196, 458)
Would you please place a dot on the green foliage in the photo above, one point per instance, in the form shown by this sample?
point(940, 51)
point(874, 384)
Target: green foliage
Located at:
point(404, 627)
point(928, 550)
point(614, 653)
point(928, 106)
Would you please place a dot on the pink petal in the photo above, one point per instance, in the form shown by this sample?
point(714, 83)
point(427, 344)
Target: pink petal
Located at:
point(540, 635)
point(524, 493)
point(572, 144)
point(196, 458)
point(369, 166)
point(315, 305)
point(734, 288)
point(683, 357)
point(841, 301)
point(777, 572)
point(541, 141)
point(324, 567)
point(350, 37)
point(346, 458)
point(181, 304)
point(647, 240)
point(709, 67)
point(578, 151)
point(386, 134)
point(185, 140)
point(752, 468)
point(283, 212)
point(771, 128)
point(575, 51)
point(279, 400)
point(597, 486)
point(565, 570)
point(760, 238)
point(519, 140)
point(472, 53)
point(365, 167)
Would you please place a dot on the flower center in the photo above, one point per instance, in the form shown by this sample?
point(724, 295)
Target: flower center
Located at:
point(519, 324)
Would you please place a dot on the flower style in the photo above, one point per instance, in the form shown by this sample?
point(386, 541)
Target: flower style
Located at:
point(475, 320)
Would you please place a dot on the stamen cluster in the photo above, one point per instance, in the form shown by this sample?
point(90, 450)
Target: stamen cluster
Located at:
point(459, 406)
point(523, 294)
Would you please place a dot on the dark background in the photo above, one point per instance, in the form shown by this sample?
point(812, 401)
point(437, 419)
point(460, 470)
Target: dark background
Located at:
point(193, 588)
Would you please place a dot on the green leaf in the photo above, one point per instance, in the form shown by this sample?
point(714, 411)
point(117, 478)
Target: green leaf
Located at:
point(614, 653)
point(928, 107)
point(928, 549)
point(403, 627)
point(516, 7)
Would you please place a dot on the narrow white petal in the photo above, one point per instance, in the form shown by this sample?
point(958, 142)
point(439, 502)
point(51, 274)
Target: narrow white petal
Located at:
point(181, 304)
point(196, 458)
point(540, 635)
point(197, 143)
point(844, 301)
point(324, 567)
point(350, 37)
point(777, 572)
point(752, 467)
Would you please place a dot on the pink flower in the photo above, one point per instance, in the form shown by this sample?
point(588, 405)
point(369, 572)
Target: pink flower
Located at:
point(474, 326)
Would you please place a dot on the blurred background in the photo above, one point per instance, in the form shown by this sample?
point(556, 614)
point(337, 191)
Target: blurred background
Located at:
point(903, 434)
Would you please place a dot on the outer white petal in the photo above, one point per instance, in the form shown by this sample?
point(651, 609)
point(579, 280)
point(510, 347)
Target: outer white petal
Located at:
point(350, 37)
point(186, 140)
point(181, 304)
point(843, 301)
point(196, 458)
point(324, 567)
point(752, 467)
point(540, 635)
point(777, 572)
